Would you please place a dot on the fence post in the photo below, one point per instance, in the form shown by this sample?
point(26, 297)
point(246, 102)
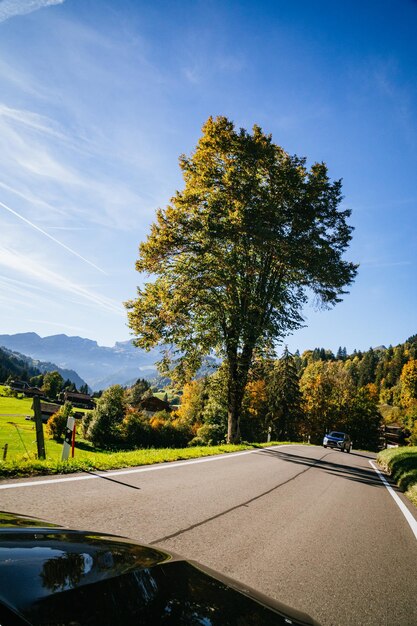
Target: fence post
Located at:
point(6, 445)
point(40, 441)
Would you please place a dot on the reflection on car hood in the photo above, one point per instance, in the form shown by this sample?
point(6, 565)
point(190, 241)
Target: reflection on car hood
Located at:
point(12, 520)
point(53, 575)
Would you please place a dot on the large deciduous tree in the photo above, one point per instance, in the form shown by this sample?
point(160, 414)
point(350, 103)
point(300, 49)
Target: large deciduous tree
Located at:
point(235, 254)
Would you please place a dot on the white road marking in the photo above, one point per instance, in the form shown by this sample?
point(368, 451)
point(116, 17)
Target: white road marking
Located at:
point(148, 468)
point(408, 516)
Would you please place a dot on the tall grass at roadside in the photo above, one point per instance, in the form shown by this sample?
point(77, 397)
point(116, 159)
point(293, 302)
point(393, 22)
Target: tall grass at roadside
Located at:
point(92, 461)
point(401, 464)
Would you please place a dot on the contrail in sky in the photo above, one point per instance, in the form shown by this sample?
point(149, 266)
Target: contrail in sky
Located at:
point(50, 237)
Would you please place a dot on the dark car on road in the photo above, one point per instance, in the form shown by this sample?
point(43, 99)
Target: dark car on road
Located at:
point(338, 440)
point(54, 576)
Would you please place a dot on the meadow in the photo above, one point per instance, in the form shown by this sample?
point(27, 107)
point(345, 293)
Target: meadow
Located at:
point(17, 430)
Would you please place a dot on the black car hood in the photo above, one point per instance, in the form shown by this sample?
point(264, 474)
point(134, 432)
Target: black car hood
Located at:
point(56, 576)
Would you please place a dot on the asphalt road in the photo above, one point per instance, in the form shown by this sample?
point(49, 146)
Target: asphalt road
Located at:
point(311, 527)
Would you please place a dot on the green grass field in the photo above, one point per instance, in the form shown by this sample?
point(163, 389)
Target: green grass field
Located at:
point(19, 433)
point(15, 406)
point(20, 436)
point(15, 430)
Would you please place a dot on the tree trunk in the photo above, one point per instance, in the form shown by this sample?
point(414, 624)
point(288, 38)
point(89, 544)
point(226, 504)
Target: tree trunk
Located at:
point(238, 375)
point(234, 404)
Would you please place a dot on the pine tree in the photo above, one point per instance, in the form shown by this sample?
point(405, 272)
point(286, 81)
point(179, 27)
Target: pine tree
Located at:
point(367, 368)
point(284, 398)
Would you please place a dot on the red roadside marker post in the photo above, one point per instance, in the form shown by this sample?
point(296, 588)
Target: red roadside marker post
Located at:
point(74, 430)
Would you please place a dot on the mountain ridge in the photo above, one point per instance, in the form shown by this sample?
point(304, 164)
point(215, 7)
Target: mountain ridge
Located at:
point(99, 366)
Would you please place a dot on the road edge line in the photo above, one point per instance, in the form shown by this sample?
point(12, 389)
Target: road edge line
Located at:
point(412, 522)
point(137, 470)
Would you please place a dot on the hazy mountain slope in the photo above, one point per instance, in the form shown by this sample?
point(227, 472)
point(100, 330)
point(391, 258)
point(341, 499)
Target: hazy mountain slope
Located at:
point(99, 366)
point(21, 363)
point(15, 366)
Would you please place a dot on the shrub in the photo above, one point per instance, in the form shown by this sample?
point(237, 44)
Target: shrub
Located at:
point(56, 424)
point(104, 428)
point(135, 430)
point(8, 392)
point(85, 423)
point(168, 432)
point(413, 436)
point(196, 441)
point(210, 434)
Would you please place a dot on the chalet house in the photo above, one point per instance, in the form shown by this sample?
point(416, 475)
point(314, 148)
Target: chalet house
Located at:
point(48, 409)
point(31, 392)
point(18, 385)
point(26, 389)
point(154, 405)
point(79, 400)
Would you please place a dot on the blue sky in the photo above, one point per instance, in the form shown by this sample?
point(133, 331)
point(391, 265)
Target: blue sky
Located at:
point(98, 99)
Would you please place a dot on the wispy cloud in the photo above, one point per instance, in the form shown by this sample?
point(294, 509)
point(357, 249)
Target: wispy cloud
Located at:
point(68, 228)
point(78, 329)
point(42, 156)
point(199, 69)
point(25, 139)
point(11, 8)
point(380, 80)
point(32, 120)
point(30, 198)
point(193, 74)
point(43, 232)
point(15, 291)
point(31, 269)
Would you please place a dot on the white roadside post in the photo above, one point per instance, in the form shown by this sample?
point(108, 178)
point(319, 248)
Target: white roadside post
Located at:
point(68, 439)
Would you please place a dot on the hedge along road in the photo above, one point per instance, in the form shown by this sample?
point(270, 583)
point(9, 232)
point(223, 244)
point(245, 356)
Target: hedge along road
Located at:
point(315, 528)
